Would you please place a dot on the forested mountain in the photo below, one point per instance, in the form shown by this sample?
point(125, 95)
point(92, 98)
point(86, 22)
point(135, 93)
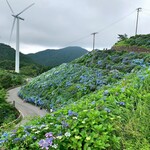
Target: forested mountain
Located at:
point(8, 53)
point(27, 65)
point(53, 58)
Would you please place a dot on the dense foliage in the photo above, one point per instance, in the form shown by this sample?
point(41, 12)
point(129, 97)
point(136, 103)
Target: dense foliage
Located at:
point(69, 82)
point(8, 79)
point(115, 117)
point(99, 101)
point(7, 111)
point(8, 53)
point(138, 40)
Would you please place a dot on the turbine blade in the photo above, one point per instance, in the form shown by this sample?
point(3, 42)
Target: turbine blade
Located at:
point(10, 7)
point(12, 29)
point(25, 9)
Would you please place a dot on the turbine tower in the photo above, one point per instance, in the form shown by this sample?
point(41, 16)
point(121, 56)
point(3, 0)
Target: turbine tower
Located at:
point(18, 18)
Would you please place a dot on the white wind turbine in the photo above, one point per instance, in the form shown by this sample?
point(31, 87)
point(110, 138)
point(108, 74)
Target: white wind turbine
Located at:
point(16, 17)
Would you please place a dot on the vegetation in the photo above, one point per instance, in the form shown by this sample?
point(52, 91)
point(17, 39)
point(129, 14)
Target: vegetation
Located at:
point(8, 53)
point(99, 101)
point(69, 82)
point(138, 40)
point(10, 79)
point(7, 111)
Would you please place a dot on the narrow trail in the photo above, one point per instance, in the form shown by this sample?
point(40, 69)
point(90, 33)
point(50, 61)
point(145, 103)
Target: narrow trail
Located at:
point(27, 110)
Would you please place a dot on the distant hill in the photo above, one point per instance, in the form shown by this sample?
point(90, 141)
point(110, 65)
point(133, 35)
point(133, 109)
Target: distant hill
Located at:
point(53, 58)
point(7, 56)
point(27, 65)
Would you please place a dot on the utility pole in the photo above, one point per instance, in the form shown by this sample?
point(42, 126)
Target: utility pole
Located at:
point(93, 45)
point(94, 38)
point(137, 19)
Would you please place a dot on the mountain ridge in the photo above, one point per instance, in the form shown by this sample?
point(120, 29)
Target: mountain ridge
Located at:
point(51, 57)
point(48, 57)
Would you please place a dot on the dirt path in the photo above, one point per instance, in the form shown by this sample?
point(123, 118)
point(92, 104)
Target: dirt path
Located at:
point(27, 110)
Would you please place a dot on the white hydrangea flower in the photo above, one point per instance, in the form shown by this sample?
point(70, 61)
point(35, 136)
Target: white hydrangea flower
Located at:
point(59, 137)
point(54, 146)
point(67, 134)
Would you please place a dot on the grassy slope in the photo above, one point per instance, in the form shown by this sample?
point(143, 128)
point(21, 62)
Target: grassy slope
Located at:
point(69, 82)
point(115, 116)
point(141, 42)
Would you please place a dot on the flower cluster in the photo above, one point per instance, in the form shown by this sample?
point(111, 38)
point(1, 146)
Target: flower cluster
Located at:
point(47, 142)
point(71, 113)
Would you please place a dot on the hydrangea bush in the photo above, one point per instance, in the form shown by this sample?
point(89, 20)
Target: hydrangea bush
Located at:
point(69, 82)
point(110, 118)
point(96, 105)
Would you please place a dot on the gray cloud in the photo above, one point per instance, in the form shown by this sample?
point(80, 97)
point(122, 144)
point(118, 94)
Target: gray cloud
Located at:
point(56, 23)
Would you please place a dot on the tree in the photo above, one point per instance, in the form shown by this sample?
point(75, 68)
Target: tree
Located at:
point(122, 37)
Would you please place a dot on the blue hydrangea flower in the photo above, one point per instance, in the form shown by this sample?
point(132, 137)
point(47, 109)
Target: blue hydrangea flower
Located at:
point(64, 124)
point(5, 134)
point(16, 140)
point(71, 113)
point(99, 62)
point(106, 93)
point(107, 109)
point(2, 141)
point(93, 102)
point(122, 103)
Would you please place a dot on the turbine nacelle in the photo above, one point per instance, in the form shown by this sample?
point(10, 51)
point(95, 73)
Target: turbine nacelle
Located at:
point(16, 16)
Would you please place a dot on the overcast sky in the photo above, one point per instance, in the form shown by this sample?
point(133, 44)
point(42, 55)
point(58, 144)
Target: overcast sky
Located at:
point(61, 23)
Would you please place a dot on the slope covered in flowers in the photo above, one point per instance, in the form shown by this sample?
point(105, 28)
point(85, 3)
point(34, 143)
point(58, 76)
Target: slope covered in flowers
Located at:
point(114, 117)
point(67, 83)
point(99, 101)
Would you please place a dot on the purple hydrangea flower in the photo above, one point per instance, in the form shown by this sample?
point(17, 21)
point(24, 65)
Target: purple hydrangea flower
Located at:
point(49, 141)
point(43, 144)
point(49, 134)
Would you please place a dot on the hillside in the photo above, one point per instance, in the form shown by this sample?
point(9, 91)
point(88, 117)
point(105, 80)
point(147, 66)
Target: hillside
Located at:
point(71, 81)
point(138, 43)
point(56, 57)
point(7, 53)
point(99, 101)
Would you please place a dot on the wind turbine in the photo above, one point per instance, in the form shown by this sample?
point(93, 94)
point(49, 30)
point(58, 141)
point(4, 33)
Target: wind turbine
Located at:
point(18, 18)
